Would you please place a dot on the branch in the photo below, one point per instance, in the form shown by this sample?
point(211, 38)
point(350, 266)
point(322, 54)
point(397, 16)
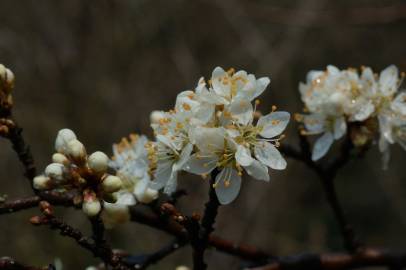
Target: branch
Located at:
point(99, 250)
point(14, 134)
point(327, 175)
point(206, 228)
point(140, 215)
point(15, 205)
point(7, 263)
point(143, 261)
point(366, 258)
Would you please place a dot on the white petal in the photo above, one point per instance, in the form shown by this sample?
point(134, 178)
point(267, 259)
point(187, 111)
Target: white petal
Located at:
point(228, 185)
point(204, 112)
point(340, 127)
point(273, 124)
point(399, 104)
point(322, 145)
point(172, 183)
point(243, 156)
point(267, 154)
point(364, 111)
point(262, 84)
point(258, 170)
point(209, 139)
point(242, 111)
point(184, 157)
point(162, 174)
point(201, 165)
point(388, 80)
point(314, 123)
point(125, 198)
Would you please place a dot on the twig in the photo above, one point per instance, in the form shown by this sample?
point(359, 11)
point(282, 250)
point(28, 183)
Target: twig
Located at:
point(336, 261)
point(7, 263)
point(327, 175)
point(14, 134)
point(99, 250)
point(208, 220)
point(144, 261)
point(15, 205)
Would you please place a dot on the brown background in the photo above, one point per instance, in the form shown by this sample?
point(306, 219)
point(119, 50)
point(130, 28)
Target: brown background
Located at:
point(100, 68)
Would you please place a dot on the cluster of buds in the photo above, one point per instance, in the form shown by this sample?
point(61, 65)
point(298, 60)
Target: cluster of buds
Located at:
point(6, 86)
point(73, 169)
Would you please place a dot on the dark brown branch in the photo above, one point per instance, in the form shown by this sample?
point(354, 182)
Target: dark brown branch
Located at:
point(14, 135)
point(326, 175)
point(365, 258)
point(207, 225)
point(12, 206)
point(7, 263)
point(144, 261)
point(141, 215)
point(99, 250)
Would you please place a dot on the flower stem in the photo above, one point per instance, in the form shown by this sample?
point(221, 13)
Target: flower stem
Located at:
point(207, 226)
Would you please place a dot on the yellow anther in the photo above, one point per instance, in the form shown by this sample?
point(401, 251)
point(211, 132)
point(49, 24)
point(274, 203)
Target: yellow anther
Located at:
point(186, 107)
point(257, 102)
point(227, 183)
point(231, 71)
point(273, 108)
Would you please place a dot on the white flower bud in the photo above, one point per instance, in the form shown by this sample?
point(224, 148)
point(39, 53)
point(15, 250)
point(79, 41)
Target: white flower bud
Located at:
point(55, 171)
point(91, 268)
point(98, 162)
point(60, 158)
point(76, 149)
point(41, 182)
point(63, 138)
point(147, 196)
point(155, 116)
point(111, 184)
point(91, 204)
point(9, 77)
point(2, 71)
point(182, 267)
point(91, 207)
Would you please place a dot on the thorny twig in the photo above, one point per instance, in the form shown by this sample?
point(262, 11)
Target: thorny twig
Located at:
point(98, 249)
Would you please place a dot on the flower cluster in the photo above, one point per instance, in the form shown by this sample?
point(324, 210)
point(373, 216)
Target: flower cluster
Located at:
point(214, 127)
point(130, 160)
point(336, 98)
point(73, 169)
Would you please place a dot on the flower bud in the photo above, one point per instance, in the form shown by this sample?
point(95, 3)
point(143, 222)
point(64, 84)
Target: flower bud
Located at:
point(9, 78)
point(41, 182)
point(91, 204)
point(155, 116)
point(60, 158)
point(55, 171)
point(63, 138)
point(2, 72)
point(146, 196)
point(98, 162)
point(111, 184)
point(182, 267)
point(76, 150)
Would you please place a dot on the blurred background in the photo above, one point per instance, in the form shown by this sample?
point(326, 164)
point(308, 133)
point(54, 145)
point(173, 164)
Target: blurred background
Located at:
point(101, 67)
